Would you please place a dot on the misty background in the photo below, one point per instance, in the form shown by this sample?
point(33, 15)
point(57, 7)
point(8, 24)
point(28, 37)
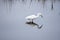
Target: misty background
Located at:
point(12, 19)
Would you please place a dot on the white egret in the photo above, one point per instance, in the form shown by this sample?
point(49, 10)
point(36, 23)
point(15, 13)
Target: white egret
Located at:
point(32, 17)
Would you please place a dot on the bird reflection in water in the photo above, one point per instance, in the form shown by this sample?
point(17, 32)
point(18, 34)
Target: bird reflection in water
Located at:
point(34, 24)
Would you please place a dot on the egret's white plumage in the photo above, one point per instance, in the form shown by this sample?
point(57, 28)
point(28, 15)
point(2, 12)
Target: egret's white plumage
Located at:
point(32, 17)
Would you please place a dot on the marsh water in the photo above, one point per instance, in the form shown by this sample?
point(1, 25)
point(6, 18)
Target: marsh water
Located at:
point(13, 23)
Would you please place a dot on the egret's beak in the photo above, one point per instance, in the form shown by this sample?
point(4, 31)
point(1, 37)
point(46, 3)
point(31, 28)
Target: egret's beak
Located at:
point(42, 16)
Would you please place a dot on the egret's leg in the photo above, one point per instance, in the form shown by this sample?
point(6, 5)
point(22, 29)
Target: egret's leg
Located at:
point(32, 20)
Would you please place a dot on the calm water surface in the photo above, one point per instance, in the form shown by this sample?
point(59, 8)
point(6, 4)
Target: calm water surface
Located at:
point(13, 23)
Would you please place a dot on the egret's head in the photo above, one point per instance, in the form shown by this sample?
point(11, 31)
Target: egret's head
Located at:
point(40, 14)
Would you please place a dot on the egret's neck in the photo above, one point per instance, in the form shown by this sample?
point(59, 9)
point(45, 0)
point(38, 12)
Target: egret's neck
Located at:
point(37, 15)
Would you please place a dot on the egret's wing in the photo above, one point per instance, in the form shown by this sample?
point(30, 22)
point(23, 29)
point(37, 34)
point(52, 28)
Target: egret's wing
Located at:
point(30, 17)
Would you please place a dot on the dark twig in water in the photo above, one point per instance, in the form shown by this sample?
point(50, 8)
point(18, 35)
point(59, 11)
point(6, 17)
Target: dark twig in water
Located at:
point(38, 0)
point(30, 3)
point(54, 1)
point(58, 0)
point(10, 0)
point(43, 1)
point(22, 0)
point(52, 5)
